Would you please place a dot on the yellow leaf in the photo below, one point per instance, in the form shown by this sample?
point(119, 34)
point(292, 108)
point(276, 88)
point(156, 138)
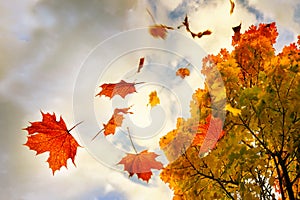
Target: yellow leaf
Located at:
point(153, 99)
point(285, 61)
point(234, 111)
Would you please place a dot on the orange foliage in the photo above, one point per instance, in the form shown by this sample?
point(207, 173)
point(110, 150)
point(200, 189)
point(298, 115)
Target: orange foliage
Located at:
point(252, 48)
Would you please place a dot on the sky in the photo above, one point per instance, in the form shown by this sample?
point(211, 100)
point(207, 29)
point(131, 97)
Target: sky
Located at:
point(54, 56)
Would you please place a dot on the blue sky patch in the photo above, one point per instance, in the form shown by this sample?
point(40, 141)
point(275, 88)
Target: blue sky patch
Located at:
point(297, 13)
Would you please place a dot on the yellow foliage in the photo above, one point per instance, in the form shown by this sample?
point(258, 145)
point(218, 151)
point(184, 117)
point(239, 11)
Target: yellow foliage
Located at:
point(153, 99)
point(232, 110)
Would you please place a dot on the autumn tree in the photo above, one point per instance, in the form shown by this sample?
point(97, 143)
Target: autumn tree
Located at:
point(252, 121)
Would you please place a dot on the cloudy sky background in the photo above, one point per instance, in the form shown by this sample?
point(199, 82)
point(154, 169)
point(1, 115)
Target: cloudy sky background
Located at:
point(43, 44)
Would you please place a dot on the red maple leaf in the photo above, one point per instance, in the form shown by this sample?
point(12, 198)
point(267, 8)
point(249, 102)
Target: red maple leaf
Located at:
point(115, 121)
point(208, 134)
point(53, 136)
point(122, 88)
point(183, 72)
point(141, 164)
point(159, 30)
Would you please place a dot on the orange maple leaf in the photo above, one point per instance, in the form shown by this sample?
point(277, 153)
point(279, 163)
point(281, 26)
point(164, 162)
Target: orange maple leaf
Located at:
point(122, 88)
point(208, 134)
point(115, 121)
point(183, 72)
point(141, 164)
point(153, 99)
point(141, 64)
point(159, 30)
point(53, 136)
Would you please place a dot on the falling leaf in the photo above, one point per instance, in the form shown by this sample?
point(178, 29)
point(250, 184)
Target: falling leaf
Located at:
point(53, 136)
point(141, 164)
point(208, 134)
point(207, 32)
point(183, 72)
point(141, 64)
point(232, 5)
point(159, 30)
point(122, 88)
point(234, 111)
point(186, 24)
point(187, 27)
point(115, 121)
point(153, 99)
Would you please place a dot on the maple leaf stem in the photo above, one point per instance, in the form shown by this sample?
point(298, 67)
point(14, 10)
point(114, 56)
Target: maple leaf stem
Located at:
point(74, 126)
point(97, 134)
point(131, 141)
point(151, 16)
point(139, 83)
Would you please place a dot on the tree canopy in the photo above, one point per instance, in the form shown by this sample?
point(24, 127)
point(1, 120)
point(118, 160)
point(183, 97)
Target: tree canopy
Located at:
point(242, 138)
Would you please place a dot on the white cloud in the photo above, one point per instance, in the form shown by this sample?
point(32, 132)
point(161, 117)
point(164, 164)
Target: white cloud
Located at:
point(280, 11)
point(283, 13)
point(171, 4)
